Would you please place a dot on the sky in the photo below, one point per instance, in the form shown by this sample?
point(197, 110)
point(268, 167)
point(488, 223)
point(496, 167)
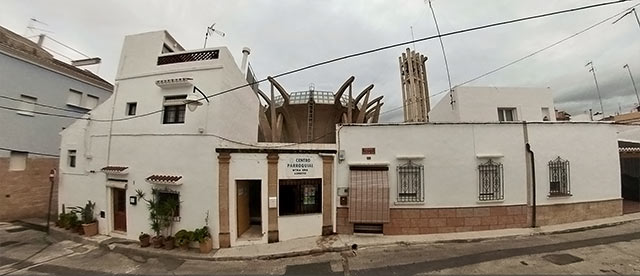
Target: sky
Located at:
point(287, 34)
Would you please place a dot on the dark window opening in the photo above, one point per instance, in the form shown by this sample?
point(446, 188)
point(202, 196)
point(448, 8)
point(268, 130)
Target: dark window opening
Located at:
point(367, 228)
point(300, 196)
point(174, 110)
point(131, 109)
point(170, 198)
point(166, 49)
point(559, 177)
point(72, 158)
point(491, 182)
point(410, 182)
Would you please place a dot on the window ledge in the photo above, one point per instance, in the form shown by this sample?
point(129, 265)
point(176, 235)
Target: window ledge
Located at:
point(410, 157)
point(408, 203)
point(489, 155)
point(559, 195)
point(489, 201)
point(26, 113)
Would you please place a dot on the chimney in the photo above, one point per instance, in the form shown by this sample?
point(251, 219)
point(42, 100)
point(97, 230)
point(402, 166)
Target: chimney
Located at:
point(245, 55)
point(40, 40)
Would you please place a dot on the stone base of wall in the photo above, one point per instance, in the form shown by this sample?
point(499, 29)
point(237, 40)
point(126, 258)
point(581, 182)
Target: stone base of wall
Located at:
point(573, 212)
point(25, 194)
point(412, 221)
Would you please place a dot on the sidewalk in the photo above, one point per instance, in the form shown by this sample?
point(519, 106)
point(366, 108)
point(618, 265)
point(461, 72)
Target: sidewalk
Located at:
point(333, 243)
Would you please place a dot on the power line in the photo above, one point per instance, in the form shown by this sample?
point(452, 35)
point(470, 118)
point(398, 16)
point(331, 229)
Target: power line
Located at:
point(68, 47)
point(385, 48)
point(42, 113)
point(444, 53)
point(43, 105)
point(524, 57)
point(30, 152)
point(56, 52)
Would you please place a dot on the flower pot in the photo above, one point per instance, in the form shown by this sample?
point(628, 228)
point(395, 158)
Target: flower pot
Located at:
point(157, 241)
point(184, 246)
point(206, 245)
point(169, 243)
point(90, 229)
point(145, 240)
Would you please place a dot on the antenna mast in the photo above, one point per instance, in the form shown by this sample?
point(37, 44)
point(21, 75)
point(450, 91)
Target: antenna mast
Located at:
point(211, 31)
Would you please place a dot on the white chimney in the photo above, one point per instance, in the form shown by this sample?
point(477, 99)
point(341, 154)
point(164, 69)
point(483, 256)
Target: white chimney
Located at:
point(245, 55)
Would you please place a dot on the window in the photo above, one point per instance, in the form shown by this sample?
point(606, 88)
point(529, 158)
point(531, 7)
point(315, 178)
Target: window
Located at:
point(507, 114)
point(169, 197)
point(166, 49)
point(17, 161)
point(131, 109)
point(490, 181)
point(174, 108)
point(410, 182)
point(559, 177)
point(91, 102)
point(74, 98)
point(545, 114)
point(300, 196)
point(27, 105)
point(71, 158)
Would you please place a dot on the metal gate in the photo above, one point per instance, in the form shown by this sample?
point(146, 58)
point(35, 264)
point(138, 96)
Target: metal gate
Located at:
point(369, 195)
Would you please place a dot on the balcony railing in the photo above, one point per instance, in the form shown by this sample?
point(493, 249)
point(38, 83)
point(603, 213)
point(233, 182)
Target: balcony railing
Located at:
point(188, 57)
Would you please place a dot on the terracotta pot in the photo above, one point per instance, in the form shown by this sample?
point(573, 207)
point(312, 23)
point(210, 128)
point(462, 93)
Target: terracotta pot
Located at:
point(169, 243)
point(206, 245)
point(157, 241)
point(184, 246)
point(90, 229)
point(145, 240)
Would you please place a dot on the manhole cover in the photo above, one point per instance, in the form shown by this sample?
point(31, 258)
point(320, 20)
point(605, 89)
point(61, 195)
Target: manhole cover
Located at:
point(562, 259)
point(17, 229)
point(7, 243)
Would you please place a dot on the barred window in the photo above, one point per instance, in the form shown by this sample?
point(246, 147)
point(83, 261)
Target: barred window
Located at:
point(559, 177)
point(410, 182)
point(491, 181)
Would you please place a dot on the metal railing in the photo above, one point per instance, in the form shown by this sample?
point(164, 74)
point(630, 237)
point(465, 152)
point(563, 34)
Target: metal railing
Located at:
point(559, 177)
point(491, 181)
point(410, 182)
point(188, 57)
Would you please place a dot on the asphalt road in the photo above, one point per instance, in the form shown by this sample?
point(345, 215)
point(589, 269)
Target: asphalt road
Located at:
point(611, 250)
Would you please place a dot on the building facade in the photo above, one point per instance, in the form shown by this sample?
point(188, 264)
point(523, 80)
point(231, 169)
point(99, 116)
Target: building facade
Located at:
point(33, 82)
point(493, 104)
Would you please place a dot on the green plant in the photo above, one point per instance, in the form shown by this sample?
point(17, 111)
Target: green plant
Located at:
point(64, 220)
point(184, 237)
point(200, 234)
point(161, 213)
point(87, 213)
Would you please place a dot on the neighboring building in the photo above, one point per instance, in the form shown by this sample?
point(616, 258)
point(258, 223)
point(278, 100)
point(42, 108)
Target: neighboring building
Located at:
point(30, 80)
point(311, 116)
point(627, 118)
point(415, 88)
point(562, 115)
point(493, 104)
point(454, 177)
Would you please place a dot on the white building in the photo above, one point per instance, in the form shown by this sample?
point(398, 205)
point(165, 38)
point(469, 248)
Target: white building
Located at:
point(493, 104)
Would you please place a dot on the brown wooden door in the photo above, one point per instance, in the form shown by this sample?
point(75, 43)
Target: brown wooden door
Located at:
point(242, 202)
point(119, 210)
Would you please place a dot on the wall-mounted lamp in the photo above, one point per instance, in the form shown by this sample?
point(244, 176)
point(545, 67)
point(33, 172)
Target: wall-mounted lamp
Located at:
point(193, 100)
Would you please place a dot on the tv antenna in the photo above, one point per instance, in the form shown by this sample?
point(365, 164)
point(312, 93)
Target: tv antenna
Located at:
point(32, 28)
point(210, 31)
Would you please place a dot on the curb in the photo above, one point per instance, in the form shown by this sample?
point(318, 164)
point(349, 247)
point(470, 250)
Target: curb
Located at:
point(57, 234)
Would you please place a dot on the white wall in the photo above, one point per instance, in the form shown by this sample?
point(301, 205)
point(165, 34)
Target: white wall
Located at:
point(451, 155)
point(480, 104)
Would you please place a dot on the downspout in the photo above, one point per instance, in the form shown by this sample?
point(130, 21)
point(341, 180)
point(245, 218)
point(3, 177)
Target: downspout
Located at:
point(533, 175)
point(113, 108)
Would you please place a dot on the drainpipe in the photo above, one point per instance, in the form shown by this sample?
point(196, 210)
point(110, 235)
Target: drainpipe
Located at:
point(533, 186)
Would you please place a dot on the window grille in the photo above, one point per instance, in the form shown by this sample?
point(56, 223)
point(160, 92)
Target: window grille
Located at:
point(300, 196)
point(559, 177)
point(491, 181)
point(410, 182)
point(188, 57)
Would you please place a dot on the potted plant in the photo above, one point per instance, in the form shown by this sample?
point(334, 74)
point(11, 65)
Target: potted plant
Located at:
point(89, 222)
point(72, 222)
point(184, 239)
point(161, 214)
point(144, 239)
point(204, 239)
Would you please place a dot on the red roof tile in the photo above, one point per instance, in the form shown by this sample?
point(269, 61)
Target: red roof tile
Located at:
point(163, 178)
point(114, 168)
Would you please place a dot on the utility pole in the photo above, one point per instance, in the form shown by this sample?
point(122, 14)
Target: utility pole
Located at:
point(634, 84)
point(593, 70)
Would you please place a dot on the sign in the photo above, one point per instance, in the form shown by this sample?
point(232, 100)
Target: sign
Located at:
point(368, 150)
point(300, 166)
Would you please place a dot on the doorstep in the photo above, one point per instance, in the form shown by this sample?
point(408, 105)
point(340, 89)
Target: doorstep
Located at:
point(332, 243)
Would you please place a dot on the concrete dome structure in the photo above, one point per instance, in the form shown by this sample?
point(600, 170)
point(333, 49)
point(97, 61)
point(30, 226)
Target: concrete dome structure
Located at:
point(311, 116)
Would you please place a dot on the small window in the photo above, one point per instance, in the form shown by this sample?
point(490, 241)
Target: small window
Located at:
point(71, 158)
point(174, 109)
point(410, 182)
point(170, 198)
point(507, 114)
point(166, 49)
point(74, 98)
point(491, 180)
point(300, 196)
point(18, 161)
point(131, 109)
point(27, 105)
point(559, 177)
point(91, 102)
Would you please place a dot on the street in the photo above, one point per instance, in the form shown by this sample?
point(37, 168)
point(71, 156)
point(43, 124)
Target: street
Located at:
point(611, 250)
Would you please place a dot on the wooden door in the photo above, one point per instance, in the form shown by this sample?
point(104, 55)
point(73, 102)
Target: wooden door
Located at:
point(242, 203)
point(119, 210)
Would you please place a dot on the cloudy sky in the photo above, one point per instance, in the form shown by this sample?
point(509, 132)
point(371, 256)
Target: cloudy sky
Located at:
point(287, 34)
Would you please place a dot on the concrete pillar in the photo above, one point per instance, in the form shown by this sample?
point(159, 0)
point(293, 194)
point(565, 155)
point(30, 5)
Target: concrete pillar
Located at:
point(223, 199)
point(272, 190)
point(327, 194)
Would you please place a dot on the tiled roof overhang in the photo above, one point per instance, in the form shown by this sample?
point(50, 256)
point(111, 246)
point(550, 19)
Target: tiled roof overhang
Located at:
point(115, 169)
point(164, 179)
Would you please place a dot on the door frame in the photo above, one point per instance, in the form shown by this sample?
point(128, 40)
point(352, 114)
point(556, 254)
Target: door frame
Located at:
point(112, 202)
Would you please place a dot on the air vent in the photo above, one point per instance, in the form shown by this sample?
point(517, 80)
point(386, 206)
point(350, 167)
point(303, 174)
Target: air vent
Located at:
point(367, 228)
